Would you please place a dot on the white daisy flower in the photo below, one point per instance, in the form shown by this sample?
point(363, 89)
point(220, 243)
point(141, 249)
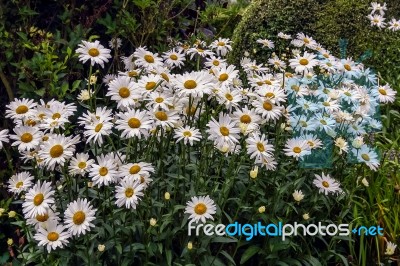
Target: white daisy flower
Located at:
point(26, 138)
point(385, 94)
point(187, 134)
point(213, 61)
point(298, 195)
point(195, 84)
point(134, 123)
point(104, 172)
point(326, 184)
point(377, 20)
point(128, 193)
point(229, 97)
point(394, 24)
point(115, 43)
point(200, 208)
point(95, 132)
point(297, 148)
point(266, 43)
point(174, 58)
point(146, 59)
point(57, 150)
point(267, 109)
point(368, 156)
point(304, 40)
point(223, 130)
point(149, 83)
point(199, 51)
point(93, 51)
point(258, 147)
point(20, 182)
point(38, 199)
point(221, 46)
point(53, 236)
point(41, 221)
point(378, 7)
point(167, 119)
point(284, 36)
point(390, 248)
point(122, 90)
point(159, 100)
point(136, 170)
point(80, 164)
point(3, 137)
point(304, 63)
point(21, 109)
point(225, 74)
point(269, 163)
point(79, 216)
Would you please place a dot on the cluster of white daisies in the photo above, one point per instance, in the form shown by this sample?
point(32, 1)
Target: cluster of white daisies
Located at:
point(377, 18)
point(311, 92)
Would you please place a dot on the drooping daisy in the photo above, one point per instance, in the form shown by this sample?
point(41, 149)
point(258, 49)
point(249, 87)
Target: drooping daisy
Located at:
point(79, 216)
point(122, 90)
point(3, 137)
point(223, 130)
point(199, 51)
point(304, 63)
point(221, 46)
point(146, 59)
point(134, 123)
point(53, 236)
point(195, 84)
point(258, 147)
point(20, 182)
point(57, 150)
point(135, 170)
point(104, 172)
point(38, 199)
point(174, 58)
point(42, 220)
point(269, 163)
point(297, 148)
point(266, 43)
point(115, 43)
point(326, 184)
point(368, 156)
point(80, 164)
point(128, 193)
point(304, 40)
point(187, 134)
point(284, 36)
point(93, 51)
point(21, 108)
point(200, 208)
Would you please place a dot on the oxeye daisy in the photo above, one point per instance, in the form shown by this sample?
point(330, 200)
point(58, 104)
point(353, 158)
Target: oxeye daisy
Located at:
point(277, 63)
point(80, 164)
point(312, 141)
point(303, 63)
point(394, 24)
point(222, 46)
point(266, 43)
point(135, 170)
point(223, 130)
point(159, 100)
point(146, 59)
point(122, 90)
point(213, 61)
point(21, 108)
point(165, 119)
point(385, 94)
point(174, 58)
point(20, 182)
point(297, 148)
point(104, 172)
point(149, 83)
point(57, 150)
point(38, 199)
point(267, 109)
point(41, 220)
point(187, 134)
point(284, 36)
point(128, 193)
point(53, 236)
point(199, 51)
point(93, 51)
point(194, 83)
point(26, 138)
point(230, 98)
point(200, 208)
point(3, 137)
point(377, 20)
point(326, 184)
point(268, 162)
point(246, 116)
point(368, 156)
point(101, 113)
point(258, 147)
point(95, 132)
point(390, 248)
point(134, 123)
point(115, 43)
point(304, 40)
point(79, 216)
point(225, 74)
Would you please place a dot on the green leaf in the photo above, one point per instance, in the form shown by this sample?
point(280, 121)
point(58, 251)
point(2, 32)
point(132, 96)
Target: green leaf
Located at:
point(250, 252)
point(228, 257)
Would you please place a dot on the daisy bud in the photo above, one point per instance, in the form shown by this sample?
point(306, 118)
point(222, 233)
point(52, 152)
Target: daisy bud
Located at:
point(261, 209)
point(365, 182)
point(90, 184)
point(298, 195)
point(283, 126)
point(93, 79)
point(390, 249)
point(12, 214)
point(254, 172)
point(153, 222)
point(167, 196)
point(101, 247)
point(10, 241)
point(357, 142)
point(2, 210)
point(190, 245)
point(306, 216)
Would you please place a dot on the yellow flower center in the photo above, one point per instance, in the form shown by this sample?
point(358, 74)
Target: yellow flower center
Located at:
point(38, 199)
point(325, 184)
point(162, 116)
point(82, 165)
point(150, 85)
point(31, 122)
point(215, 63)
point(132, 74)
point(310, 143)
point(42, 218)
point(94, 52)
point(295, 88)
point(159, 100)
point(326, 55)
point(347, 93)
point(56, 116)
point(260, 147)
point(229, 97)
point(297, 149)
point(223, 77)
point(190, 84)
point(26, 137)
point(270, 95)
point(187, 134)
point(347, 67)
point(365, 157)
point(165, 76)
point(326, 104)
point(245, 119)
point(323, 122)
point(190, 111)
point(142, 180)
point(303, 62)
point(22, 109)
point(260, 83)
point(56, 151)
point(103, 171)
point(129, 192)
point(200, 50)
point(98, 127)
point(79, 217)
point(134, 123)
point(149, 58)
point(267, 106)
point(135, 169)
point(53, 236)
point(124, 92)
point(45, 138)
point(19, 184)
point(173, 57)
point(268, 82)
point(224, 131)
point(306, 40)
point(200, 208)
point(221, 44)
point(382, 91)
